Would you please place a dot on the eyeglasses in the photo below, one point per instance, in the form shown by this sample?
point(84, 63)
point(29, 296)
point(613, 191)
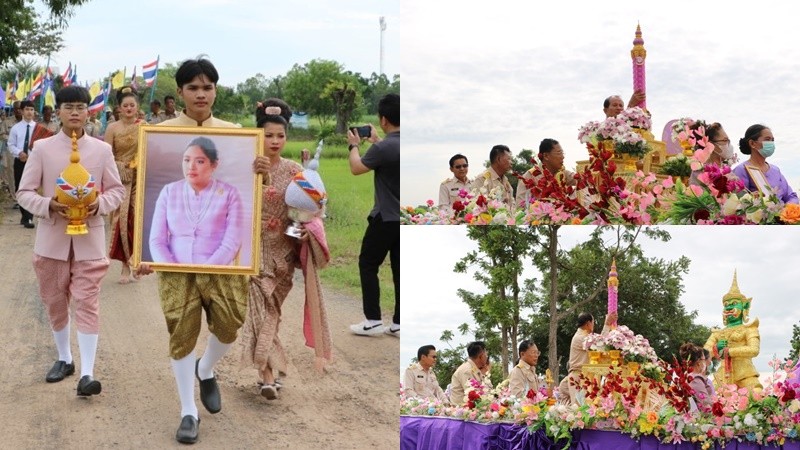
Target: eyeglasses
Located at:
point(462, 166)
point(69, 107)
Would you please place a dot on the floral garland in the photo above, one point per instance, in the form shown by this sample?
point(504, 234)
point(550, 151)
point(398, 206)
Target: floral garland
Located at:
point(768, 417)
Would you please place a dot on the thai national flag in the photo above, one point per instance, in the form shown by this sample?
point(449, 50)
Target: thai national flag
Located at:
point(67, 77)
point(36, 88)
point(134, 84)
point(98, 103)
point(149, 72)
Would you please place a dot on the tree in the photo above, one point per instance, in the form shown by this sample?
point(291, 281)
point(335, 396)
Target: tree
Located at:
point(375, 87)
point(304, 87)
point(24, 31)
point(499, 259)
point(795, 342)
point(346, 96)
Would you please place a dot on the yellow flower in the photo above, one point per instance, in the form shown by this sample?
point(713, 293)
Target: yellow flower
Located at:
point(644, 426)
point(575, 221)
point(502, 411)
point(486, 217)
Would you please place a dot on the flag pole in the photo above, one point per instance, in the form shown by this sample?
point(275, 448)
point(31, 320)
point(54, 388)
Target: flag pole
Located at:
point(44, 85)
point(155, 80)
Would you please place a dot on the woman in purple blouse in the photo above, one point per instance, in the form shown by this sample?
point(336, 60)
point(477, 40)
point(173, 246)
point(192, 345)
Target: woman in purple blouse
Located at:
point(197, 220)
point(759, 143)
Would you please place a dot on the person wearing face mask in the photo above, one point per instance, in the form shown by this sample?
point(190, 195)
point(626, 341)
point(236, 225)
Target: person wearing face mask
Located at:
point(759, 143)
point(552, 157)
point(723, 154)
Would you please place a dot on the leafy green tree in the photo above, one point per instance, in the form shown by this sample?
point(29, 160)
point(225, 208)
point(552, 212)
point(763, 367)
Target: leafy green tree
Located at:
point(795, 342)
point(499, 266)
point(24, 31)
point(346, 96)
point(304, 87)
point(375, 87)
point(520, 164)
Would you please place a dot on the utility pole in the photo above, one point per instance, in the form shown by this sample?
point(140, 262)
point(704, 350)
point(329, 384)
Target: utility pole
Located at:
point(383, 28)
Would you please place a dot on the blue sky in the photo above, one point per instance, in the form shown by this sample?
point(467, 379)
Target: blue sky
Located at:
point(241, 37)
point(763, 257)
point(479, 74)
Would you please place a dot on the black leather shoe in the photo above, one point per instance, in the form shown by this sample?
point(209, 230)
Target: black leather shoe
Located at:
point(88, 386)
point(28, 224)
point(209, 392)
point(187, 432)
point(60, 370)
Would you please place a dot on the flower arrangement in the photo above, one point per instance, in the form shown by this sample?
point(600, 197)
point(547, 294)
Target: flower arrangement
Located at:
point(677, 166)
point(636, 117)
point(620, 129)
point(768, 417)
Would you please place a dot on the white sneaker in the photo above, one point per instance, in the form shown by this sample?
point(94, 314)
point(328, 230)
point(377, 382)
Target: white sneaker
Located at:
point(365, 329)
point(392, 332)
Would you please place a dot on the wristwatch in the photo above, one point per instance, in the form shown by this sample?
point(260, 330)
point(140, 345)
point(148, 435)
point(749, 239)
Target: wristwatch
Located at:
point(352, 146)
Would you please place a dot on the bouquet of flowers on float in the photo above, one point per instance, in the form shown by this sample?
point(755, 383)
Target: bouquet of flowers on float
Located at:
point(634, 347)
point(620, 130)
point(485, 207)
point(426, 214)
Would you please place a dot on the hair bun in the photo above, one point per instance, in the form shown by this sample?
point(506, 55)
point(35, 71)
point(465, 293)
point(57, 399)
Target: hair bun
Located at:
point(743, 146)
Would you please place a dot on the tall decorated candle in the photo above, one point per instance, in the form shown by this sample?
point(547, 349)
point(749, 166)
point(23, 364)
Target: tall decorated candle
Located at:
point(638, 55)
point(613, 286)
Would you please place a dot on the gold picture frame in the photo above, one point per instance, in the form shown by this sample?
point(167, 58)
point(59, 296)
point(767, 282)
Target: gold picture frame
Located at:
point(759, 180)
point(176, 231)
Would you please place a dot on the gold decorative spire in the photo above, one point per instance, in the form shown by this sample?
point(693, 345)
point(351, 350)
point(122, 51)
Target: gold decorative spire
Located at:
point(733, 292)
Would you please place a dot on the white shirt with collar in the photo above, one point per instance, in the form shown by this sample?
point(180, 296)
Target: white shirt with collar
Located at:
point(16, 138)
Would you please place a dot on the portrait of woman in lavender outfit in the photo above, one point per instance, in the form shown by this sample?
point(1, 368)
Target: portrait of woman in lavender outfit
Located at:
point(759, 143)
point(197, 220)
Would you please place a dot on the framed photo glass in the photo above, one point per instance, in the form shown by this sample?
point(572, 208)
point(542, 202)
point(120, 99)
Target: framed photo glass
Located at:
point(759, 180)
point(198, 202)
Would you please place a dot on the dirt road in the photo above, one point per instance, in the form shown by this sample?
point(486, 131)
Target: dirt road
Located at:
point(352, 406)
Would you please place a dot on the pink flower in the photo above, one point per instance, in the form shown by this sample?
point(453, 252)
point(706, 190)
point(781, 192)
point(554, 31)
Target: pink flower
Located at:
point(429, 202)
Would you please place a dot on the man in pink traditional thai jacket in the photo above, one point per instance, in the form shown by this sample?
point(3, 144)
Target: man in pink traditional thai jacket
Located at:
point(71, 267)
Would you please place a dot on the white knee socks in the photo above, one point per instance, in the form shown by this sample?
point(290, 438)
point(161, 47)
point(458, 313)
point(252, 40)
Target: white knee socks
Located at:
point(62, 344)
point(184, 377)
point(215, 350)
point(87, 346)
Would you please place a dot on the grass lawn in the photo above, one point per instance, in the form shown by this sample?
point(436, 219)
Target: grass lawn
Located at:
point(350, 199)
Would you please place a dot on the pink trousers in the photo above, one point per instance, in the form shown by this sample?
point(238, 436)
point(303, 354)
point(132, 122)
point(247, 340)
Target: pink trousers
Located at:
point(78, 281)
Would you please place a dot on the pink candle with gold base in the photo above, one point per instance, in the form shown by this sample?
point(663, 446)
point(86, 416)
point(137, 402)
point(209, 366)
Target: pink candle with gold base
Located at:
point(613, 285)
point(638, 55)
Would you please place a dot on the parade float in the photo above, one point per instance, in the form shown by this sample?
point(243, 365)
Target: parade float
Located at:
point(628, 398)
point(629, 178)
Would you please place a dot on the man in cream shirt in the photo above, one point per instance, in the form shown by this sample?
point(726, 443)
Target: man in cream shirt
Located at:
point(419, 380)
point(578, 357)
point(495, 175)
point(472, 369)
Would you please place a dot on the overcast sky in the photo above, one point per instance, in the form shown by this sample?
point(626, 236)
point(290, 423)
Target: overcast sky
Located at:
point(480, 74)
point(765, 258)
point(241, 37)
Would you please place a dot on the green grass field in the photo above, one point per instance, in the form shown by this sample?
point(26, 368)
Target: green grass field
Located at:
point(350, 200)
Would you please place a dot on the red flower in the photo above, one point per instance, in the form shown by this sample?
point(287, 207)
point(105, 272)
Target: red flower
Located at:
point(458, 206)
point(530, 394)
point(701, 214)
point(481, 201)
point(473, 395)
point(789, 395)
point(716, 409)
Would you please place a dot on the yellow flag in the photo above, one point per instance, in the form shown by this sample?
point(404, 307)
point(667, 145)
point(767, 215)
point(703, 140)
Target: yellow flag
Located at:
point(24, 88)
point(94, 90)
point(50, 98)
point(118, 80)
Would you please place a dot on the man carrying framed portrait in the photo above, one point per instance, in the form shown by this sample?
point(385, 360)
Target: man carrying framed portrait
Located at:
point(183, 295)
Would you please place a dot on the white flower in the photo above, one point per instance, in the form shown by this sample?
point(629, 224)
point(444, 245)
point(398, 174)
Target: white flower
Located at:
point(730, 206)
point(749, 420)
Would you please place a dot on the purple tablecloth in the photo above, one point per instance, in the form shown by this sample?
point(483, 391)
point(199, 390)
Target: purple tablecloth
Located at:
point(437, 433)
